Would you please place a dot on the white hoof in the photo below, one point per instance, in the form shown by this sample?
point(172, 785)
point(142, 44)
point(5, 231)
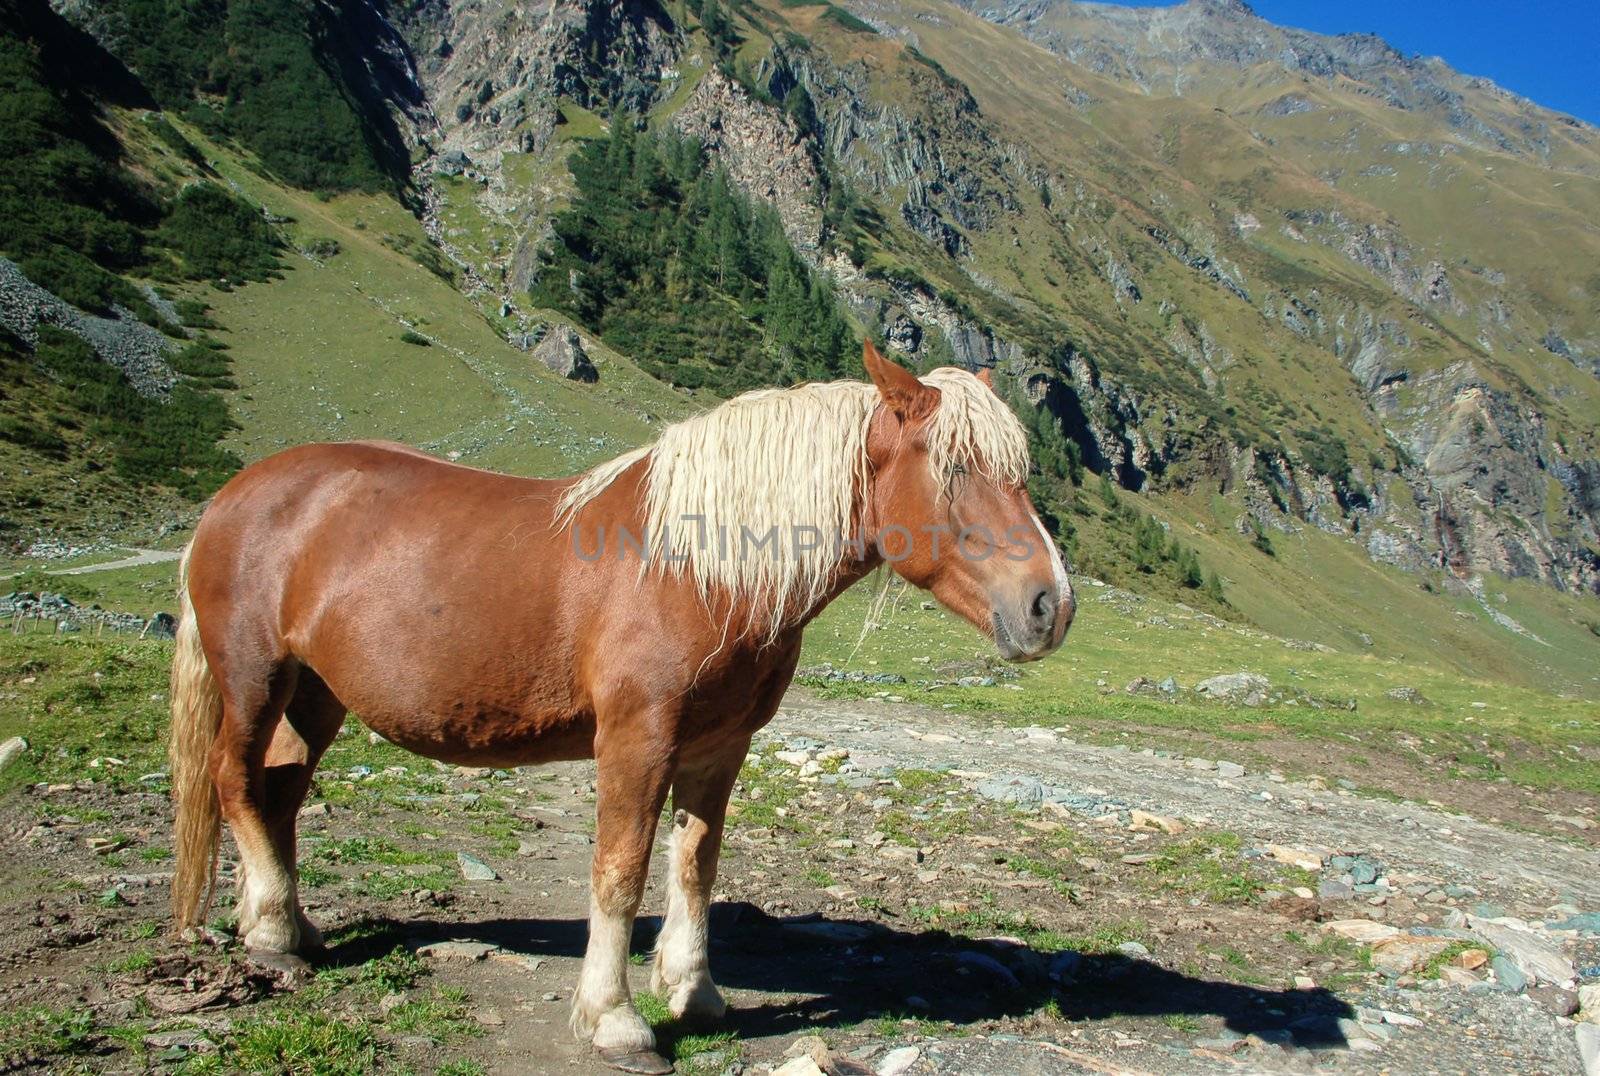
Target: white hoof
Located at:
point(274, 935)
point(697, 1001)
point(618, 1029)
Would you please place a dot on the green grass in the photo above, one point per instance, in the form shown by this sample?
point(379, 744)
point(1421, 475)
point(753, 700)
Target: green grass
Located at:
point(299, 1042)
point(1532, 736)
point(40, 1033)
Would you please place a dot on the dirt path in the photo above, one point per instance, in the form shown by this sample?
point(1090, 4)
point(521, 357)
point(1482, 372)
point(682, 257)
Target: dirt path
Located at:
point(140, 557)
point(876, 890)
point(1517, 867)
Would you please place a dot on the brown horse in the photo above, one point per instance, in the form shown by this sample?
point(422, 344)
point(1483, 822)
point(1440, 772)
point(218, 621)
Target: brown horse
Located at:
point(646, 614)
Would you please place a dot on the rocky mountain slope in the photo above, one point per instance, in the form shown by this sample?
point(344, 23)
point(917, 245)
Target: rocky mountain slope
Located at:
point(1346, 290)
point(1346, 286)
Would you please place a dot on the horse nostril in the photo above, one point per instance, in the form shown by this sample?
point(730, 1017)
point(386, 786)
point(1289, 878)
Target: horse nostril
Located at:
point(1044, 605)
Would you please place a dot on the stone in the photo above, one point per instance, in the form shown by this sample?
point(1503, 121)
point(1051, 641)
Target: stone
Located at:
point(1241, 688)
point(1407, 694)
point(1405, 953)
point(1147, 820)
point(1588, 1036)
point(1022, 791)
point(799, 1066)
point(12, 750)
point(1230, 770)
point(1589, 1001)
point(986, 963)
point(562, 351)
point(1331, 890)
point(828, 931)
point(474, 869)
point(897, 1062)
point(1295, 857)
point(1555, 1000)
point(1458, 976)
point(452, 162)
point(1508, 974)
point(1199, 764)
point(1471, 959)
point(1364, 871)
point(1587, 923)
point(813, 1046)
point(1538, 959)
point(1133, 949)
point(1363, 931)
point(463, 952)
point(518, 960)
point(186, 1039)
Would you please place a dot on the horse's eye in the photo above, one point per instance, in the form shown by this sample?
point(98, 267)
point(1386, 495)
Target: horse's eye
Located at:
point(958, 471)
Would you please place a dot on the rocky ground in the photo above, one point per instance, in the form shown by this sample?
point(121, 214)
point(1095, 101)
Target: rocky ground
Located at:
point(903, 890)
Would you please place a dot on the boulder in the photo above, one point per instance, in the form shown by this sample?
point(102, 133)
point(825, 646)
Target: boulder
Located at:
point(1535, 957)
point(12, 750)
point(562, 351)
point(1240, 688)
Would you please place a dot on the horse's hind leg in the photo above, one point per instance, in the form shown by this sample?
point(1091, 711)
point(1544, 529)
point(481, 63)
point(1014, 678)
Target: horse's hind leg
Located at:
point(700, 793)
point(310, 722)
point(254, 696)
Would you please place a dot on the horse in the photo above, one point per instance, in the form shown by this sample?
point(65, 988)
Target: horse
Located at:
point(647, 614)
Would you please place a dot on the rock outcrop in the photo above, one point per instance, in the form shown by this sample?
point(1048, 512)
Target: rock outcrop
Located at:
point(562, 351)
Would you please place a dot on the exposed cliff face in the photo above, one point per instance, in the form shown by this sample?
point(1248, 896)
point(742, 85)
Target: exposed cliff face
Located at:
point(495, 72)
point(1183, 327)
point(765, 152)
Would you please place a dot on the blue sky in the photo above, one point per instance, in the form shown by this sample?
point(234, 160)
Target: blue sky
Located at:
point(1546, 50)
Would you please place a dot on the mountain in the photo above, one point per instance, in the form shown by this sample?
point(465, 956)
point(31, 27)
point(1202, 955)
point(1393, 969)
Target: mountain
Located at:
point(1351, 288)
point(1307, 331)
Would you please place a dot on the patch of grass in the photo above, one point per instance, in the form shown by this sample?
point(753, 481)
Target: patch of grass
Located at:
point(652, 1007)
point(1208, 867)
point(705, 1054)
point(443, 1015)
point(301, 1042)
point(41, 1032)
point(462, 1067)
point(1183, 1022)
point(138, 960)
point(1435, 966)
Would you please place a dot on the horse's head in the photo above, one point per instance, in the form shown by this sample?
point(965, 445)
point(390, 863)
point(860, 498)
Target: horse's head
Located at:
point(952, 512)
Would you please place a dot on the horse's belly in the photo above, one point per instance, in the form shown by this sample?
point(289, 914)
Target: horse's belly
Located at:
point(485, 736)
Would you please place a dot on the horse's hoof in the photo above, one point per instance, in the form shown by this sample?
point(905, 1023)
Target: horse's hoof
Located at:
point(288, 970)
point(642, 1061)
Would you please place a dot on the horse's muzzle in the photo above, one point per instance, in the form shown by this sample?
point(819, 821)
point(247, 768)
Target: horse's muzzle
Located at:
point(1029, 628)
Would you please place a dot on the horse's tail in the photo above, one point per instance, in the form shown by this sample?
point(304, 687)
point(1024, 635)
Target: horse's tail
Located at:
point(196, 717)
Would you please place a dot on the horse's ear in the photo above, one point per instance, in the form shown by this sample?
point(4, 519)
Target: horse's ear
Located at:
point(906, 396)
point(986, 375)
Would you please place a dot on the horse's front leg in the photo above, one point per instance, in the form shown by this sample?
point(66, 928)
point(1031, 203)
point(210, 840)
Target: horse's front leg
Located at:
point(700, 792)
point(633, 776)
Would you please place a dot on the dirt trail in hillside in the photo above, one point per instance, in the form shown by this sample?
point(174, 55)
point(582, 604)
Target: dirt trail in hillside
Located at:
point(140, 557)
point(1452, 848)
point(910, 916)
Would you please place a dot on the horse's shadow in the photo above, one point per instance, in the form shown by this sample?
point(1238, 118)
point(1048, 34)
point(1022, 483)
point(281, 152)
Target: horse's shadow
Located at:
point(840, 972)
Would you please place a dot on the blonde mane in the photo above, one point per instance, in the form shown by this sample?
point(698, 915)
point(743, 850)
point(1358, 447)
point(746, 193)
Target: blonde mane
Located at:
point(789, 460)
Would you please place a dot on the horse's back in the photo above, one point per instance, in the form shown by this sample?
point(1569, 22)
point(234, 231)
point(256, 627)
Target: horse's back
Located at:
point(411, 585)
